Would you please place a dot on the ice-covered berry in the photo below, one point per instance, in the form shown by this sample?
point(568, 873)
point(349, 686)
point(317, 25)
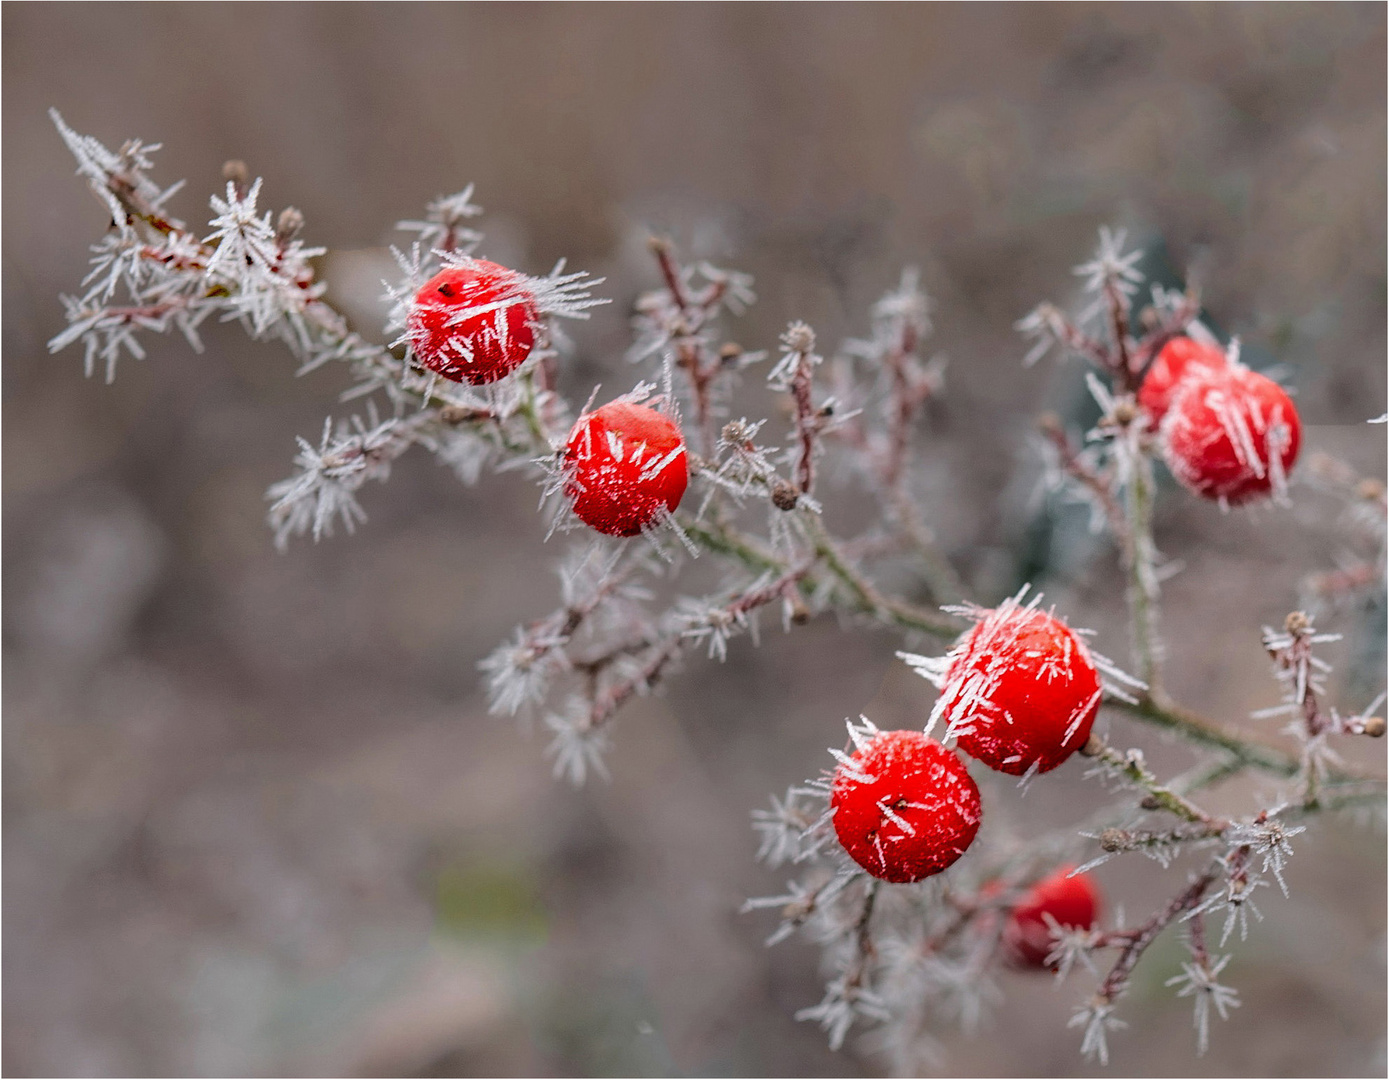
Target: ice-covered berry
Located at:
point(625, 468)
point(474, 322)
point(1180, 357)
point(903, 806)
point(1231, 434)
point(1021, 690)
point(1069, 901)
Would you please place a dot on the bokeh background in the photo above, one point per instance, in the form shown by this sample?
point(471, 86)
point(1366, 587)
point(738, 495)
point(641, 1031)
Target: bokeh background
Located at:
point(256, 819)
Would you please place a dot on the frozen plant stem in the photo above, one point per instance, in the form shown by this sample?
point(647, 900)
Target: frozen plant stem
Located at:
point(898, 956)
point(1132, 767)
point(1139, 559)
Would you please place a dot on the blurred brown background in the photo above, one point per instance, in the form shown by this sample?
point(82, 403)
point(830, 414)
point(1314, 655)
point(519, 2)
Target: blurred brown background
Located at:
point(257, 820)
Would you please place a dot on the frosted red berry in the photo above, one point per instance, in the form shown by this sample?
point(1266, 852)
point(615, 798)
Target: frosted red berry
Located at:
point(1231, 434)
point(625, 468)
point(1021, 691)
point(1180, 357)
point(474, 322)
point(904, 807)
point(1071, 901)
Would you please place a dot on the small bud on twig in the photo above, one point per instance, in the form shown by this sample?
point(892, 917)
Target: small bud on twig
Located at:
point(1374, 726)
point(799, 338)
point(1094, 746)
point(1125, 411)
point(288, 225)
point(236, 173)
point(784, 495)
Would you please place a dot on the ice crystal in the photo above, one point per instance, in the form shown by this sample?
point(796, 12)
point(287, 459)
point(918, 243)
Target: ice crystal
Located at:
point(1198, 981)
point(577, 746)
point(1268, 839)
point(1098, 1019)
point(845, 1001)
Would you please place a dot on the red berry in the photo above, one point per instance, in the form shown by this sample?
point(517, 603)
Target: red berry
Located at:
point(473, 323)
point(1179, 358)
point(1231, 434)
point(1071, 901)
point(906, 808)
point(1021, 691)
point(625, 467)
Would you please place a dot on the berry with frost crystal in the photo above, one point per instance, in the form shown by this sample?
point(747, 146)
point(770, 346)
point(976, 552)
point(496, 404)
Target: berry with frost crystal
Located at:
point(1231, 434)
point(1178, 359)
point(1021, 691)
point(474, 322)
point(625, 468)
point(1071, 902)
point(903, 806)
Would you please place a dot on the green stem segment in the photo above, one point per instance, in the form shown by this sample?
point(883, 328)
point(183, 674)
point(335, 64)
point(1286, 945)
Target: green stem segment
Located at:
point(1139, 562)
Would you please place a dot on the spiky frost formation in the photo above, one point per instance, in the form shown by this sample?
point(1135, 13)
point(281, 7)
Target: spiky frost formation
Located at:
point(1232, 435)
point(903, 806)
point(1019, 692)
point(625, 468)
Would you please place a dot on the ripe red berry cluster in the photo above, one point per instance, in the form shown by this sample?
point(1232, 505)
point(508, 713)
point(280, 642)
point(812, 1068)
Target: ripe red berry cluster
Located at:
point(625, 468)
point(903, 806)
point(1019, 692)
point(1228, 433)
point(474, 322)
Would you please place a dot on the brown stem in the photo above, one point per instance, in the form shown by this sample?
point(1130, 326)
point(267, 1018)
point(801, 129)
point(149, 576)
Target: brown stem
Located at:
point(1138, 940)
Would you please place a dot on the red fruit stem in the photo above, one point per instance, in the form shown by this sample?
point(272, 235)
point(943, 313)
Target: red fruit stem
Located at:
point(807, 423)
point(1101, 485)
point(690, 351)
point(1135, 942)
point(1119, 363)
point(603, 705)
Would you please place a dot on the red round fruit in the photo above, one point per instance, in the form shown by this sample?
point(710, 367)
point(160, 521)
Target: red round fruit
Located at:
point(1071, 901)
point(906, 808)
point(1021, 691)
point(1231, 434)
point(474, 322)
point(624, 468)
point(1179, 358)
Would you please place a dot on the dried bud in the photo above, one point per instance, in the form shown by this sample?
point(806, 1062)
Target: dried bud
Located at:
point(1125, 411)
point(1297, 623)
point(1094, 746)
point(1114, 840)
point(1374, 726)
point(738, 433)
point(1150, 802)
point(288, 225)
point(784, 495)
point(730, 351)
point(1370, 489)
point(799, 337)
point(235, 172)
